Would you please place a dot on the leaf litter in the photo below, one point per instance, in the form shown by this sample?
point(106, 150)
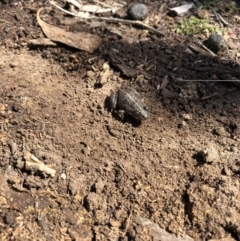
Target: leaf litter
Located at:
point(80, 40)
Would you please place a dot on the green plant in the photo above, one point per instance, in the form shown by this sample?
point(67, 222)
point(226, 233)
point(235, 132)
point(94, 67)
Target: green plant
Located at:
point(234, 8)
point(193, 26)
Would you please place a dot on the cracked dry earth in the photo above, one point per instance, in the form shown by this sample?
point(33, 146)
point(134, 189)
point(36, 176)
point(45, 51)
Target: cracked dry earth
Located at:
point(177, 171)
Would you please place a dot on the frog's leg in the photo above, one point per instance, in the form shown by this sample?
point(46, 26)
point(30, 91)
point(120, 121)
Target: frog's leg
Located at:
point(121, 114)
point(113, 100)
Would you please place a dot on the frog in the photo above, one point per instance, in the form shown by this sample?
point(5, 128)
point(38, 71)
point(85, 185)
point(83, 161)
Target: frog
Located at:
point(127, 102)
point(217, 44)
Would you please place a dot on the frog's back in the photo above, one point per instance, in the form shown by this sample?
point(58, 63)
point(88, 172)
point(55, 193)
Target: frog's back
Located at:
point(130, 102)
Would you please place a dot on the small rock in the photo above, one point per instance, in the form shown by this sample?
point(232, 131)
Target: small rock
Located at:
point(137, 11)
point(23, 44)
point(63, 176)
point(13, 147)
point(153, 231)
point(227, 171)
point(14, 64)
point(20, 164)
point(115, 223)
point(71, 218)
point(95, 201)
point(77, 185)
point(82, 233)
point(6, 29)
point(3, 107)
point(118, 213)
point(208, 155)
point(9, 218)
point(101, 217)
point(98, 186)
point(233, 149)
point(187, 117)
point(182, 124)
point(220, 131)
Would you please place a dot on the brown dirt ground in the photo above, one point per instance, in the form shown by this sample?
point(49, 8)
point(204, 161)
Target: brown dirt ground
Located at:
point(110, 172)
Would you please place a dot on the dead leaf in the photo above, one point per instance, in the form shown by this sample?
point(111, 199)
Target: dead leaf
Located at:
point(81, 40)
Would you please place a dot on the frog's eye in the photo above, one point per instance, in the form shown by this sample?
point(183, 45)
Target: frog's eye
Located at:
point(145, 108)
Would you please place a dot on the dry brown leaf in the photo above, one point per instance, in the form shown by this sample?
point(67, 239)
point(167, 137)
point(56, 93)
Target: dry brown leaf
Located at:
point(84, 41)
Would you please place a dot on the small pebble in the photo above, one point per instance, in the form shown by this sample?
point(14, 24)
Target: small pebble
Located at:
point(233, 149)
point(137, 11)
point(219, 131)
point(115, 223)
point(13, 147)
point(182, 124)
point(187, 117)
point(63, 176)
point(6, 29)
point(14, 64)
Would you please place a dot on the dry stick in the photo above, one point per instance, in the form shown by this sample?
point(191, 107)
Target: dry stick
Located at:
point(122, 169)
point(161, 12)
point(218, 94)
point(127, 224)
point(207, 49)
point(217, 17)
point(222, 19)
point(114, 20)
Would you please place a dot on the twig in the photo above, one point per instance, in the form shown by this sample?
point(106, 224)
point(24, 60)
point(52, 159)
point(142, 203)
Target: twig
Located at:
point(207, 49)
point(160, 11)
point(65, 11)
point(122, 168)
point(33, 164)
point(127, 224)
point(138, 23)
point(198, 49)
point(218, 94)
point(222, 19)
point(217, 17)
point(114, 20)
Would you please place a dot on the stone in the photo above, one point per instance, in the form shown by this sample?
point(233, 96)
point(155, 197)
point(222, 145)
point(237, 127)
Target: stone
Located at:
point(137, 11)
